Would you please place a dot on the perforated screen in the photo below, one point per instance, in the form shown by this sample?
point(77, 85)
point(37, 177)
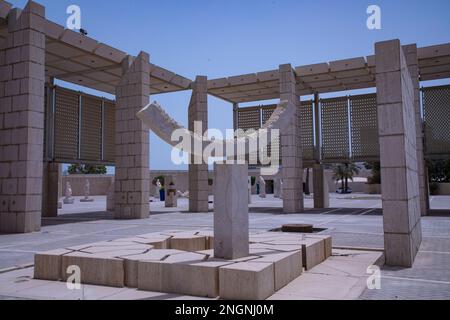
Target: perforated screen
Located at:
point(108, 131)
point(91, 129)
point(364, 127)
point(335, 129)
point(436, 104)
point(66, 124)
point(307, 129)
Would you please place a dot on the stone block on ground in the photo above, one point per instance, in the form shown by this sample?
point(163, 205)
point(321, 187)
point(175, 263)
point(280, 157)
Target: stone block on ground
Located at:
point(287, 266)
point(328, 242)
point(131, 263)
point(155, 275)
point(95, 268)
point(247, 281)
point(47, 265)
point(188, 242)
point(199, 278)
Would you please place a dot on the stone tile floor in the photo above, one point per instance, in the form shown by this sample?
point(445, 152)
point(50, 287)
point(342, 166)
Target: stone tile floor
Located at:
point(357, 224)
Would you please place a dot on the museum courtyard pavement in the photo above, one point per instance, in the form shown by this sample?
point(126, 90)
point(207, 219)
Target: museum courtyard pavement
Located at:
point(356, 224)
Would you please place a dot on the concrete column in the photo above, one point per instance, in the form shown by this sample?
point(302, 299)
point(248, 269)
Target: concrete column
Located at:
point(410, 52)
point(132, 182)
point(398, 155)
point(22, 76)
point(320, 187)
point(231, 222)
point(291, 152)
point(110, 197)
point(52, 186)
point(276, 187)
point(235, 115)
point(198, 170)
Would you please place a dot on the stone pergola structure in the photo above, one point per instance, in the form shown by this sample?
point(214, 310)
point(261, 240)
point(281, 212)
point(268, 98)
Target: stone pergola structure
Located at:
point(35, 51)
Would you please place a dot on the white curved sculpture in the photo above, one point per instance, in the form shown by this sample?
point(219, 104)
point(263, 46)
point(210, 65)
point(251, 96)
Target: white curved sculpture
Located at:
point(163, 126)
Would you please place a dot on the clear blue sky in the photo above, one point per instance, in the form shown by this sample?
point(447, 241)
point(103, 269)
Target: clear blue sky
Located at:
point(225, 38)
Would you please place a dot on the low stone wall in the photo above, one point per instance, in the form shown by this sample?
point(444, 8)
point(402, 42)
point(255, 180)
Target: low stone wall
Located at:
point(100, 183)
point(443, 189)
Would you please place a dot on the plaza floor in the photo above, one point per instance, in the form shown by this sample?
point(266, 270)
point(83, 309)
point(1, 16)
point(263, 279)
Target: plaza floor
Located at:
point(354, 221)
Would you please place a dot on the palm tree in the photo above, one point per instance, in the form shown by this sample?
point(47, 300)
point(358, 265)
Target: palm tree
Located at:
point(344, 172)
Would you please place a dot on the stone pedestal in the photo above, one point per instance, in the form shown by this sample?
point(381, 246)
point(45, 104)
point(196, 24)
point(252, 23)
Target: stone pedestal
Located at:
point(320, 188)
point(171, 197)
point(398, 155)
point(231, 223)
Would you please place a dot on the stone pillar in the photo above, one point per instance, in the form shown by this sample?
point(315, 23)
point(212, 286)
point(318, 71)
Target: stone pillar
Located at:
point(410, 52)
point(398, 155)
point(291, 152)
point(110, 197)
point(276, 188)
point(198, 173)
point(22, 78)
point(320, 188)
point(132, 182)
point(52, 181)
point(231, 222)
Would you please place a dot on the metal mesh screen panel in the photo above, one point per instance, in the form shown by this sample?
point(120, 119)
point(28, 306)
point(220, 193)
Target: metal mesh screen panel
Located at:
point(436, 104)
point(108, 132)
point(91, 129)
point(249, 118)
point(307, 129)
point(335, 131)
point(364, 127)
point(66, 124)
point(266, 113)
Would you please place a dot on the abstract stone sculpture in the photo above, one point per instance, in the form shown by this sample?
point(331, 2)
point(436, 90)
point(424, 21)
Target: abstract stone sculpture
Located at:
point(68, 199)
point(87, 191)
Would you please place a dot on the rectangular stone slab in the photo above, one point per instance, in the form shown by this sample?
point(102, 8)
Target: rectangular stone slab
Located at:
point(155, 275)
point(247, 281)
point(313, 252)
point(195, 278)
point(47, 265)
point(131, 263)
point(188, 243)
point(287, 266)
point(328, 242)
point(104, 271)
point(231, 222)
